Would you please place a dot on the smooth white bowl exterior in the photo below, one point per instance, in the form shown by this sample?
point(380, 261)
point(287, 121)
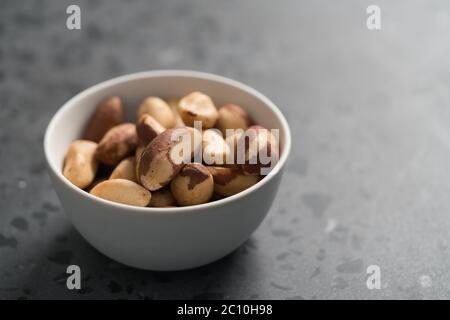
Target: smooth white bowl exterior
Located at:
point(163, 238)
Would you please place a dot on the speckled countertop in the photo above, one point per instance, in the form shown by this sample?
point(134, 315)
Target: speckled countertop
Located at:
point(367, 182)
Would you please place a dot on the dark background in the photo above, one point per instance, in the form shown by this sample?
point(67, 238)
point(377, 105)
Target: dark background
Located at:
point(367, 181)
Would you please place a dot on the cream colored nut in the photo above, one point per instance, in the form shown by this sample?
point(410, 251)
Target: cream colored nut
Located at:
point(126, 169)
point(162, 198)
point(158, 109)
point(232, 116)
point(163, 158)
point(80, 164)
point(118, 143)
point(196, 141)
point(193, 185)
point(173, 103)
point(109, 113)
point(122, 191)
point(197, 106)
point(232, 143)
point(96, 182)
point(230, 181)
point(147, 128)
point(215, 150)
point(261, 150)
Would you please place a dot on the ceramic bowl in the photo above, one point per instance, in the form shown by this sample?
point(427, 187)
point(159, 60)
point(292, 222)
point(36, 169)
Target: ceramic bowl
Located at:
point(163, 238)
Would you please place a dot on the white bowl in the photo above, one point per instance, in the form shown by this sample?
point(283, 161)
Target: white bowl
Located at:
point(163, 238)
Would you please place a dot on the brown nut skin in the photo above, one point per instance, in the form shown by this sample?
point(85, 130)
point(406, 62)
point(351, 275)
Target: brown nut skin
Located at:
point(147, 128)
point(137, 156)
point(122, 191)
point(232, 116)
point(215, 149)
point(80, 165)
point(162, 198)
point(158, 109)
point(193, 185)
point(230, 181)
point(126, 169)
point(160, 162)
point(118, 143)
point(197, 106)
point(109, 113)
point(258, 145)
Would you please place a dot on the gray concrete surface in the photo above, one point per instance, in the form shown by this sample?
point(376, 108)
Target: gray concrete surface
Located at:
point(367, 182)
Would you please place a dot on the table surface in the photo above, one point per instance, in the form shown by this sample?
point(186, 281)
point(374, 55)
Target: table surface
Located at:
point(366, 182)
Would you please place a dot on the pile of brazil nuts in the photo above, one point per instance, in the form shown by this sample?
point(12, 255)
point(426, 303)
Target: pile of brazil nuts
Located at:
point(141, 163)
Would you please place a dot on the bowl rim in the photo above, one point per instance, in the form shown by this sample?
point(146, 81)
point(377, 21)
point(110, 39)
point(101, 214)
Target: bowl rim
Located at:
point(168, 73)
